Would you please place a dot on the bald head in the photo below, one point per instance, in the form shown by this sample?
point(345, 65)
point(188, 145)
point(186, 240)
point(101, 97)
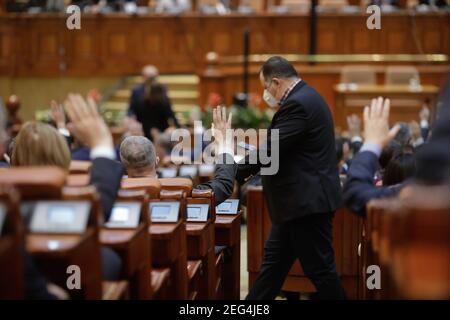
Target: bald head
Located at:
point(138, 155)
point(150, 72)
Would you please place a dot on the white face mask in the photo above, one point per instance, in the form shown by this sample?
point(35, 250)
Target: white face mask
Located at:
point(270, 99)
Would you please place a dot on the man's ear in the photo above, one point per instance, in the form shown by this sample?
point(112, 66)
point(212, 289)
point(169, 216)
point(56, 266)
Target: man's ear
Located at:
point(276, 81)
point(156, 162)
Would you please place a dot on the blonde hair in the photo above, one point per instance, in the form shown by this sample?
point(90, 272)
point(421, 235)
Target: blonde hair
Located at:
point(38, 144)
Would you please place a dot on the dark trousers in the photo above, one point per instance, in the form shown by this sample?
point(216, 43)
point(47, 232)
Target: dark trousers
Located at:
point(111, 264)
point(308, 239)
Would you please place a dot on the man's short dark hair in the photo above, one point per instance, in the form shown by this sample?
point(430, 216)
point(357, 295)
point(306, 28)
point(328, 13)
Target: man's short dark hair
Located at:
point(278, 67)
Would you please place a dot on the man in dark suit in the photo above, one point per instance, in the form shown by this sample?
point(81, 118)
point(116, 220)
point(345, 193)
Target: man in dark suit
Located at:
point(304, 194)
point(149, 75)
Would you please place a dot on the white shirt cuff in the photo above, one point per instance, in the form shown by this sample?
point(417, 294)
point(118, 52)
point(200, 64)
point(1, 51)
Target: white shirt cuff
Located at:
point(103, 151)
point(424, 124)
point(64, 132)
point(356, 139)
point(371, 147)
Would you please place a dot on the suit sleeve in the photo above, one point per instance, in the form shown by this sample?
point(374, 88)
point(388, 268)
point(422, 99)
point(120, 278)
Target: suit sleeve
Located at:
point(133, 103)
point(359, 188)
point(169, 111)
point(223, 181)
point(106, 175)
point(290, 126)
point(35, 282)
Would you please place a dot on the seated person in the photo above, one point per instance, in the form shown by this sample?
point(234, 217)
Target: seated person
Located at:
point(342, 154)
point(39, 144)
point(139, 158)
point(433, 159)
point(400, 168)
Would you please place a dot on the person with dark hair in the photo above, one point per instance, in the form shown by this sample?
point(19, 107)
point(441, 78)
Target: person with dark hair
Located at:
point(154, 111)
point(342, 154)
point(303, 195)
point(400, 168)
point(150, 105)
point(388, 152)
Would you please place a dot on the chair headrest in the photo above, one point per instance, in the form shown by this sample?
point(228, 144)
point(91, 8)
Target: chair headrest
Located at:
point(132, 195)
point(197, 193)
point(151, 185)
point(172, 194)
point(78, 180)
point(77, 166)
point(80, 193)
point(184, 184)
point(35, 182)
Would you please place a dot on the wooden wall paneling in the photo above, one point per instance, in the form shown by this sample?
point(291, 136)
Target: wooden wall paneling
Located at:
point(292, 35)
point(121, 44)
point(83, 48)
point(48, 46)
point(150, 46)
point(118, 46)
point(432, 33)
point(397, 35)
point(359, 38)
point(263, 35)
point(222, 36)
point(330, 35)
point(181, 44)
point(7, 46)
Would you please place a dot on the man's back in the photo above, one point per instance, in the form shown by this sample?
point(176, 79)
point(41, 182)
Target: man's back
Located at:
point(307, 181)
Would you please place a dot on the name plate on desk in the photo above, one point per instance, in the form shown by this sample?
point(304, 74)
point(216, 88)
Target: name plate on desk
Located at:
point(124, 215)
point(168, 172)
point(60, 217)
point(188, 170)
point(2, 217)
point(197, 212)
point(229, 206)
point(206, 169)
point(164, 211)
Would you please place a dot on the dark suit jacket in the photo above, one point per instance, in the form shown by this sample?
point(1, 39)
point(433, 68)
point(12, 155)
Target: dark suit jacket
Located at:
point(307, 181)
point(151, 116)
point(359, 187)
point(106, 175)
point(223, 181)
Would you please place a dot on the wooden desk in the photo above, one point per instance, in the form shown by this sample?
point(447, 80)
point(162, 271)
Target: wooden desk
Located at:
point(346, 238)
point(169, 250)
point(228, 233)
point(200, 246)
point(133, 246)
point(406, 102)
point(81, 250)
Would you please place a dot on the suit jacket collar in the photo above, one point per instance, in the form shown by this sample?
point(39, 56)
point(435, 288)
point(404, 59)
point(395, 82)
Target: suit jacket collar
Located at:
point(297, 88)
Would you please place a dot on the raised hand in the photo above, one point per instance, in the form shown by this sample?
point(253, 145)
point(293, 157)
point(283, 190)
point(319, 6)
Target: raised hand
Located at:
point(86, 124)
point(376, 123)
point(354, 125)
point(424, 113)
point(57, 114)
point(220, 126)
